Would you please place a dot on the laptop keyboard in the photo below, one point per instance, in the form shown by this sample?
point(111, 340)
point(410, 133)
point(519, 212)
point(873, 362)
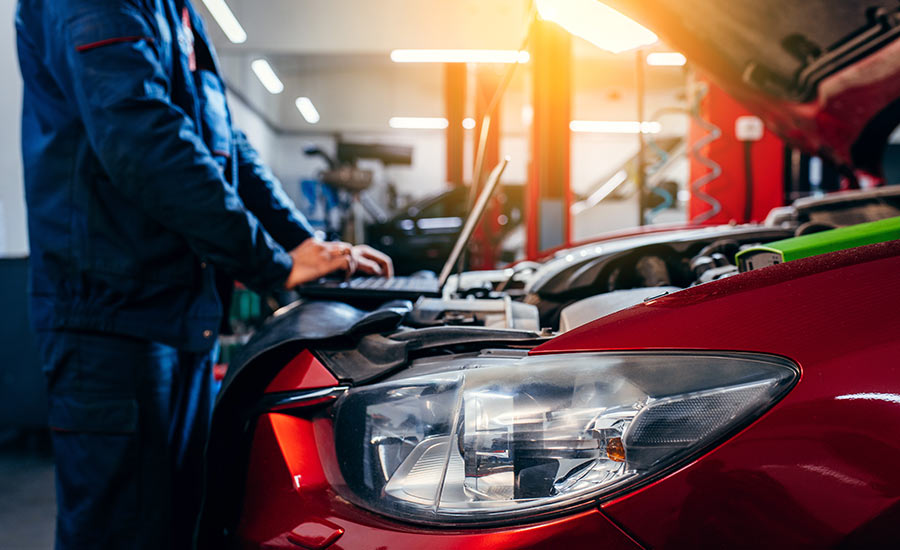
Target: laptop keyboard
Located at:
point(413, 284)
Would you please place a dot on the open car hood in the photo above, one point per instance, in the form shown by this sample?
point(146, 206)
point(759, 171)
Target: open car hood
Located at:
point(824, 75)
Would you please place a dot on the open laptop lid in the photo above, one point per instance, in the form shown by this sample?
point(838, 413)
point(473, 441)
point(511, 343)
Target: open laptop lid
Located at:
point(472, 220)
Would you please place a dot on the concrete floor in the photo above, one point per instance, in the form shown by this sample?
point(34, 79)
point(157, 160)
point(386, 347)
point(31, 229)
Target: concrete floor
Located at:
point(28, 501)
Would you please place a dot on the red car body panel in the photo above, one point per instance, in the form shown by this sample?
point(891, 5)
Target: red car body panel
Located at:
point(302, 373)
point(820, 468)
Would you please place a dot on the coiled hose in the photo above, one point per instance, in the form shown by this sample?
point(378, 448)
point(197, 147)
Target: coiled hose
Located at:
point(667, 197)
point(713, 133)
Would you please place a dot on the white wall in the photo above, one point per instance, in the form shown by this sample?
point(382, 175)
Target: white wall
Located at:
point(357, 94)
point(258, 132)
point(291, 165)
point(13, 231)
point(594, 156)
point(283, 152)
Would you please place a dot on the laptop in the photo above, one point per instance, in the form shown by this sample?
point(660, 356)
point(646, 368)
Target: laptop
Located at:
point(408, 288)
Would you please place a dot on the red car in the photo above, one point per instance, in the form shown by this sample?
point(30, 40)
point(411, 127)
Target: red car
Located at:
point(759, 408)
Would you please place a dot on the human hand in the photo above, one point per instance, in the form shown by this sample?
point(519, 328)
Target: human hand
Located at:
point(315, 258)
point(373, 262)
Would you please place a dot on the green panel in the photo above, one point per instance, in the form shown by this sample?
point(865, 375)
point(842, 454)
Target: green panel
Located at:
point(823, 242)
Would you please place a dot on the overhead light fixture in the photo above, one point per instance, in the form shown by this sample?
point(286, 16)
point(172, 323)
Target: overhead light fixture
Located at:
point(226, 20)
point(307, 109)
point(597, 23)
point(666, 59)
point(468, 123)
point(460, 56)
point(267, 76)
point(614, 126)
point(418, 122)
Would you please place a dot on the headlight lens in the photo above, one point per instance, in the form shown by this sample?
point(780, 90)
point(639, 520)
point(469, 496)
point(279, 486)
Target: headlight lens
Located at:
point(499, 438)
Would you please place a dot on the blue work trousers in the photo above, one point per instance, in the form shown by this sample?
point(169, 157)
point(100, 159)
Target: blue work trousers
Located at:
point(129, 420)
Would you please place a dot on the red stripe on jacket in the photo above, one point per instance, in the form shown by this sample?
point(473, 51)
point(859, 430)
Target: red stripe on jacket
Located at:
point(108, 41)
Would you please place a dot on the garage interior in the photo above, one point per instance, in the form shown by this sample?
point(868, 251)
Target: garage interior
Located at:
point(383, 122)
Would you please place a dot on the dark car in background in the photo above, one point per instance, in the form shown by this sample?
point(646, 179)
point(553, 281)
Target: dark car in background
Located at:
point(420, 236)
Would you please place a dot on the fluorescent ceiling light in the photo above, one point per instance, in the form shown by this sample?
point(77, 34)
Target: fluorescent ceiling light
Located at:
point(307, 109)
point(468, 123)
point(614, 126)
point(226, 20)
point(418, 122)
point(267, 76)
point(597, 23)
point(460, 56)
point(666, 59)
point(439, 223)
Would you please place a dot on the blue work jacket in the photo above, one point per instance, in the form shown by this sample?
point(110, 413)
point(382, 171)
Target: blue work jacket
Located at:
point(137, 184)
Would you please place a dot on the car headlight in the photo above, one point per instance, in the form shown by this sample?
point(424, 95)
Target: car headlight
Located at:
point(502, 438)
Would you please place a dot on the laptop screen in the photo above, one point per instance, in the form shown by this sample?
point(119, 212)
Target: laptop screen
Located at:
point(472, 220)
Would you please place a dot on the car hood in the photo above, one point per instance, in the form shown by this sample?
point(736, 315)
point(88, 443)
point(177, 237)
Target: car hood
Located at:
point(822, 75)
point(578, 268)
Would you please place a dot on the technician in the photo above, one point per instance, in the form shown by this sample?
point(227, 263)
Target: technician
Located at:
point(139, 191)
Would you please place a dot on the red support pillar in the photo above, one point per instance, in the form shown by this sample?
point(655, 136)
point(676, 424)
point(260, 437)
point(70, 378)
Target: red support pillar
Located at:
point(482, 253)
point(641, 176)
point(487, 80)
point(455, 109)
point(549, 196)
point(731, 188)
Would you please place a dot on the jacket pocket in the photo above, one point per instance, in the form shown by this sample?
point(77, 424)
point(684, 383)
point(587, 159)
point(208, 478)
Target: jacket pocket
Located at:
point(93, 414)
point(216, 119)
point(106, 25)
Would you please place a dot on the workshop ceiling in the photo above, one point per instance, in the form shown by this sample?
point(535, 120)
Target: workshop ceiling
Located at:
point(359, 27)
point(337, 52)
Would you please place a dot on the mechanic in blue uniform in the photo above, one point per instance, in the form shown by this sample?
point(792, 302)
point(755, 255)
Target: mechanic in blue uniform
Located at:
point(139, 191)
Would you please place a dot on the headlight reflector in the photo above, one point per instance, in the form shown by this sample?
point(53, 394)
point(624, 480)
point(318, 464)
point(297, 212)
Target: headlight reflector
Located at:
point(488, 439)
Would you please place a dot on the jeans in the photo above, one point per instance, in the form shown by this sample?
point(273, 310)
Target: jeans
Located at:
point(129, 420)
